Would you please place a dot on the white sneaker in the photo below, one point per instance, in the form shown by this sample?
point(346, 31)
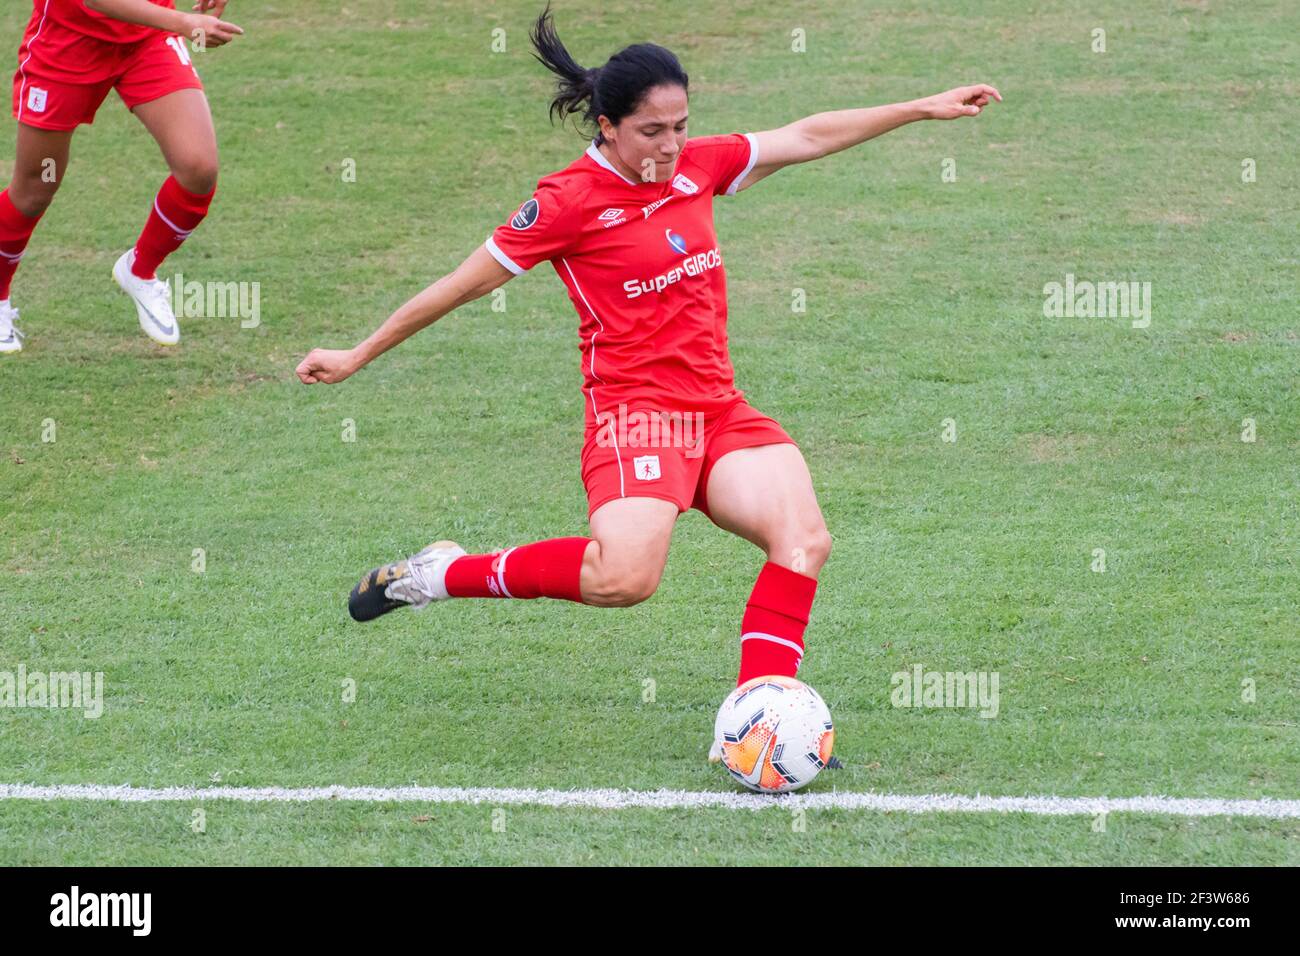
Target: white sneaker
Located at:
point(11, 340)
point(415, 582)
point(715, 752)
point(153, 301)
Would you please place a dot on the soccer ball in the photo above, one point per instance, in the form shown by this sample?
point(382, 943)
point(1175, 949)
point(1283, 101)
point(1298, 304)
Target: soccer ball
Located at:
point(775, 734)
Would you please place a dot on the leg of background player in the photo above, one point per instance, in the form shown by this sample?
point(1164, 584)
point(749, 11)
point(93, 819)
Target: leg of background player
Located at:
point(765, 495)
point(181, 123)
point(39, 165)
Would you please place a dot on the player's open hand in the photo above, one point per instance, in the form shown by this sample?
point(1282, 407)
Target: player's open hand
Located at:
point(326, 365)
point(963, 101)
point(209, 31)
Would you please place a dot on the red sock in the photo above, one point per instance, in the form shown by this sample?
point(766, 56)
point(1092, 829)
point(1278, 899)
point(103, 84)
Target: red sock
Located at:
point(176, 213)
point(546, 569)
point(15, 230)
point(771, 632)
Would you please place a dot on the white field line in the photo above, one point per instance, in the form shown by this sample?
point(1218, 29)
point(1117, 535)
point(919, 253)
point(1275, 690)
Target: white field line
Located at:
point(674, 799)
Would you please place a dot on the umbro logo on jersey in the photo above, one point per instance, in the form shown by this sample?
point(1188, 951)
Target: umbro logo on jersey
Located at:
point(36, 100)
point(685, 185)
point(612, 217)
point(526, 216)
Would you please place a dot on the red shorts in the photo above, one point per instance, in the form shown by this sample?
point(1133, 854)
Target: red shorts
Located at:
point(641, 454)
point(63, 77)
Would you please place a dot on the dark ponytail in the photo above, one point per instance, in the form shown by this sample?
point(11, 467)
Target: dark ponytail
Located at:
point(613, 90)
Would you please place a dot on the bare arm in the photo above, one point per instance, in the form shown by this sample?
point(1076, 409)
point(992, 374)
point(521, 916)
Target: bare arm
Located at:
point(213, 29)
point(824, 133)
point(476, 276)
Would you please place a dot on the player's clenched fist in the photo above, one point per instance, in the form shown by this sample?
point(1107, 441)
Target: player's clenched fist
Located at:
point(962, 101)
point(326, 365)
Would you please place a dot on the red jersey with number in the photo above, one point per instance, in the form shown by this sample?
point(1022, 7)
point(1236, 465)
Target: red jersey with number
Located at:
point(76, 17)
point(643, 268)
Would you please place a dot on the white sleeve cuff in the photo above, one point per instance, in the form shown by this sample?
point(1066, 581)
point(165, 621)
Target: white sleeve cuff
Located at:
point(502, 258)
point(753, 158)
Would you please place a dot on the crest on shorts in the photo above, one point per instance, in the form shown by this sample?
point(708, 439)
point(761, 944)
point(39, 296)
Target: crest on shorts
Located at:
point(646, 467)
point(526, 216)
point(36, 99)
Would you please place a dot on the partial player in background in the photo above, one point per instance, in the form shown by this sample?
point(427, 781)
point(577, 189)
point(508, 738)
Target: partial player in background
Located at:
point(628, 227)
point(73, 53)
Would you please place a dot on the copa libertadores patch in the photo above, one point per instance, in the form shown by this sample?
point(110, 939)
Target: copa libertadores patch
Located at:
point(526, 216)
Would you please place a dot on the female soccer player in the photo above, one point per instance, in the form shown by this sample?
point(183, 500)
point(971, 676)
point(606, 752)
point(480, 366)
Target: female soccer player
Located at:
point(628, 227)
point(73, 53)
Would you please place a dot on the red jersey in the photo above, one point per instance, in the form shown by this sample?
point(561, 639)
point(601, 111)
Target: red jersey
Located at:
point(643, 269)
point(75, 16)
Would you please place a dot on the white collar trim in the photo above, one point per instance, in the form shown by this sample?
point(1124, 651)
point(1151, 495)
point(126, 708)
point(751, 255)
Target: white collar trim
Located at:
point(599, 157)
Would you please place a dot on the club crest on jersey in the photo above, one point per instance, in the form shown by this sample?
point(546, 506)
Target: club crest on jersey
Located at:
point(685, 185)
point(526, 216)
point(36, 99)
point(676, 241)
point(646, 467)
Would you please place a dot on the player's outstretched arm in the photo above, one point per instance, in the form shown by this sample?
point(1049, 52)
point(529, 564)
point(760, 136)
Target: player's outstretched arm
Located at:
point(214, 30)
point(476, 276)
point(824, 133)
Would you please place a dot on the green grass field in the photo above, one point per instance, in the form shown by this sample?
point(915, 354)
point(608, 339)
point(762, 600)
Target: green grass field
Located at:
point(1175, 672)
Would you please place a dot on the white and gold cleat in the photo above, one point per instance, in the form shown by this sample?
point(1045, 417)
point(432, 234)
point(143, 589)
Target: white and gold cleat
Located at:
point(415, 582)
